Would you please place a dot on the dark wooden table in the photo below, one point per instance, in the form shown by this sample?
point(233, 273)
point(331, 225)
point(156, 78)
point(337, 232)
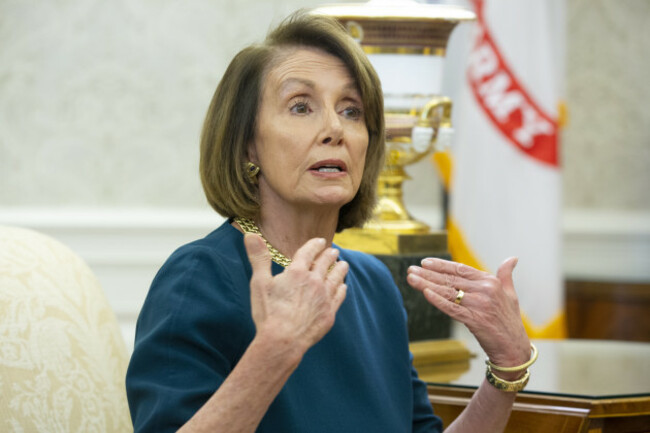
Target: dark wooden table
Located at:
point(581, 386)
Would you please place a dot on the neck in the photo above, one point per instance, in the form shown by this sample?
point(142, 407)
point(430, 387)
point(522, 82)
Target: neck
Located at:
point(287, 228)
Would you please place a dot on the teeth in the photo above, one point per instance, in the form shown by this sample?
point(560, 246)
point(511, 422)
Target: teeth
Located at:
point(329, 169)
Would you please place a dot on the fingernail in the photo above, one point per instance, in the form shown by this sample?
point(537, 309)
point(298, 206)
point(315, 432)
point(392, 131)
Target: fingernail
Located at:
point(334, 252)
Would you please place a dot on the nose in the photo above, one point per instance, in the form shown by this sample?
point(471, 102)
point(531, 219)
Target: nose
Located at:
point(332, 129)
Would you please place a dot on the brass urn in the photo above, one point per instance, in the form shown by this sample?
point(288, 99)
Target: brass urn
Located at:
point(406, 42)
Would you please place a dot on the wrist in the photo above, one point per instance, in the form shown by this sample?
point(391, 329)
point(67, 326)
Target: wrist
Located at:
point(512, 357)
point(510, 373)
point(507, 385)
point(278, 348)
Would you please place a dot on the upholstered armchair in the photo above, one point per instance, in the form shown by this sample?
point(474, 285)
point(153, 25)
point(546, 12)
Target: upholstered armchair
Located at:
point(62, 356)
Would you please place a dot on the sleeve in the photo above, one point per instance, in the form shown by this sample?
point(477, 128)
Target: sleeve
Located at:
point(424, 420)
point(191, 331)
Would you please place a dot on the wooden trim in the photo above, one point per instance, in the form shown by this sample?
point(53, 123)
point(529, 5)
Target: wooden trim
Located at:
point(627, 304)
point(560, 414)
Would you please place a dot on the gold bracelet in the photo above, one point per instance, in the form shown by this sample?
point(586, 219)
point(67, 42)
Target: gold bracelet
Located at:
point(533, 358)
point(506, 385)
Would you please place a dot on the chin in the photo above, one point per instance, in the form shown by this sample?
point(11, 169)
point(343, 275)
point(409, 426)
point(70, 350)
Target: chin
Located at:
point(328, 202)
point(334, 198)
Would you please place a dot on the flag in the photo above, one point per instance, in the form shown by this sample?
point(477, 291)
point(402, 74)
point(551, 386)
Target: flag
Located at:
point(505, 185)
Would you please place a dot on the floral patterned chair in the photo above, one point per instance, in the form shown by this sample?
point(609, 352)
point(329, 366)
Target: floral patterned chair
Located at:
point(62, 357)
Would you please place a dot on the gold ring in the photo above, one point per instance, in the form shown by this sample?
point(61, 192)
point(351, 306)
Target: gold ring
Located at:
point(459, 297)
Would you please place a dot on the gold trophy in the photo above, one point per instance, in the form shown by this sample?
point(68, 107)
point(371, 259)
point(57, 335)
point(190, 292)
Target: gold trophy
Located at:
point(406, 42)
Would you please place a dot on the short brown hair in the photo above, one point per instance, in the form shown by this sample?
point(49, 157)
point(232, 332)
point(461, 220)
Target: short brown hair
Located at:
point(231, 120)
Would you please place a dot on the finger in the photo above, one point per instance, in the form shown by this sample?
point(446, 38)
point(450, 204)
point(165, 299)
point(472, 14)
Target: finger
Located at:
point(306, 254)
point(325, 260)
point(453, 268)
point(451, 309)
point(337, 275)
point(422, 284)
point(504, 273)
point(442, 279)
point(258, 255)
point(339, 296)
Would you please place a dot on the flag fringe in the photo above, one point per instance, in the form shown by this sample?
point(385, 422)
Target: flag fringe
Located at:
point(554, 328)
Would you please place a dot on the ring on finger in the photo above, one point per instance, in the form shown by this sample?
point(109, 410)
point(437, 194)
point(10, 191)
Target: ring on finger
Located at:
point(459, 297)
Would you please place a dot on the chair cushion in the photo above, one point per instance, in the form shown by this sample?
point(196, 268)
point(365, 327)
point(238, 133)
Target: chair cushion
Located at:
point(62, 356)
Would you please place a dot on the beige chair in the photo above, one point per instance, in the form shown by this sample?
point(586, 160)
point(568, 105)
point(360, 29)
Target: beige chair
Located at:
point(62, 357)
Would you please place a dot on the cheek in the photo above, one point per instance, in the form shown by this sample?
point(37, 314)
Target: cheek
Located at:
point(276, 150)
point(361, 148)
point(360, 160)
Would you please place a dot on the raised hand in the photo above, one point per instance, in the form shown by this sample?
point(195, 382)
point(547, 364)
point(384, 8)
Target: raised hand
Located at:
point(489, 307)
point(299, 305)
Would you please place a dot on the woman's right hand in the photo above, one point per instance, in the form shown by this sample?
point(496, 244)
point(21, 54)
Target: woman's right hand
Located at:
point(298, 306)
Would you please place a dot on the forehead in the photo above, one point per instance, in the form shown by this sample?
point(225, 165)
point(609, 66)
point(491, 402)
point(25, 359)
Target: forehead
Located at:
point(303, 64)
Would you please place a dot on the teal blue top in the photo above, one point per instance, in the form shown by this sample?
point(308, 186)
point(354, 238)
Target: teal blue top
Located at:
point(196, 324)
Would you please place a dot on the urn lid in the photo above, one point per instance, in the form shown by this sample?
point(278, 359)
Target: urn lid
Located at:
point(398, 26)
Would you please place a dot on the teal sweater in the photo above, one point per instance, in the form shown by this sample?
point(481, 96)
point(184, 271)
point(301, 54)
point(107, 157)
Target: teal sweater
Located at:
point(196, 324)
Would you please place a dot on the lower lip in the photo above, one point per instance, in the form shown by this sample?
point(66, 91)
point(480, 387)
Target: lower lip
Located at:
point(329, 174)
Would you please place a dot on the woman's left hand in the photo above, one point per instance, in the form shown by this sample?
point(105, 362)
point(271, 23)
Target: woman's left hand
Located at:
point(489, 307)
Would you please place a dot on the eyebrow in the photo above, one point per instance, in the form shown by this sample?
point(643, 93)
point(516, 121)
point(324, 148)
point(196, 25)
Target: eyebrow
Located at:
point(290, 81)
point(311, 84)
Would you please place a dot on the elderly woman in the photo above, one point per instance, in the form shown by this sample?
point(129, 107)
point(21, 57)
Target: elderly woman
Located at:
point(266, 326)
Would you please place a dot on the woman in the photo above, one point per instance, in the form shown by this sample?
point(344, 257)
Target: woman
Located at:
point(236, 337)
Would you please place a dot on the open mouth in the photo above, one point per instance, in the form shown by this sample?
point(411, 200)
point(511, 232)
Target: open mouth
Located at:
point(329, 166)
point(329, 169)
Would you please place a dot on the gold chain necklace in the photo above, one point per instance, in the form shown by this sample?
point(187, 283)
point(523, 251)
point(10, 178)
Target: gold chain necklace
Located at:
point(250, 227)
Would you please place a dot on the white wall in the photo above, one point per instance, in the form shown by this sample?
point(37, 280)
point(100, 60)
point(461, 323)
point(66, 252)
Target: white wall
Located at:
point(101, 103)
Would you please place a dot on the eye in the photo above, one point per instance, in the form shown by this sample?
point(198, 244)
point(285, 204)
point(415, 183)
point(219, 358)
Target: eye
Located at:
point(353, 112)
point(300, 107)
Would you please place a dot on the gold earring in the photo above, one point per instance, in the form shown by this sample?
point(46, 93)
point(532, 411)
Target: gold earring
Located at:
point(251, 171)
